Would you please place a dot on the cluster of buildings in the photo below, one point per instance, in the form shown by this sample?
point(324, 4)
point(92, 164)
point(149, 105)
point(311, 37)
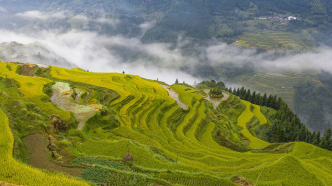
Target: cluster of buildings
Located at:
point(277, 18)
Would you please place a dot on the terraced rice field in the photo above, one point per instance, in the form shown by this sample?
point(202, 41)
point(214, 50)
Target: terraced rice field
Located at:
point(171, 145)
point(272, 40)
point(15, 172)
point(281, 84)
point(242, 121)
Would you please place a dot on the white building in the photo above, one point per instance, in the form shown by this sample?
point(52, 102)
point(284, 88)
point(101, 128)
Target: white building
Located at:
point(291, 18)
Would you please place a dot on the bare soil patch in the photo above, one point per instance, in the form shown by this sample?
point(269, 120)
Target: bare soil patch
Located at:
point(175, 96)
point(28, 69)
point(82, 112)
point(243, 181)
point(39, 158)
point(2, 183)
point(79, 92)
point(215, 101)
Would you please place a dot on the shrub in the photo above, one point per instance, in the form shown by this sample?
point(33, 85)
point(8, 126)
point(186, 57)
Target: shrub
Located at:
point(65, 143)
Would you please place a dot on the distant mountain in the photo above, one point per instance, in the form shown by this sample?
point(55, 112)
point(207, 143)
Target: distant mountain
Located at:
point(34, 53)
point(225, 20)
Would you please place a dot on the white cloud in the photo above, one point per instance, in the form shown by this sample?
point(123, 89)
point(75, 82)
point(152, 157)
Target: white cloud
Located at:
point(88, 51)
point(92, 51)
point(2, 9)
point(317, 60)
point(42, 15)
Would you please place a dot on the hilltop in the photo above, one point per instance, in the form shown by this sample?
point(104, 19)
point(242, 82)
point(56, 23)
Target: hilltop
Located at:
point(117, 128)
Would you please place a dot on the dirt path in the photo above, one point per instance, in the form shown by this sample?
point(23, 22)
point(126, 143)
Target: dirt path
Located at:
point(79, 93)
point(61, 96)
point(37, 145)
point(215, 101)
point(175, 96)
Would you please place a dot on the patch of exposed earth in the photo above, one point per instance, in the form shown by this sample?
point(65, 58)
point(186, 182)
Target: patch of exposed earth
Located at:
point(215, 101)
point(28, 69)
point(39, 158)
point(2, 183)
point(79, 93)
point(61, 96)
point(243, 181)
point(174, 95)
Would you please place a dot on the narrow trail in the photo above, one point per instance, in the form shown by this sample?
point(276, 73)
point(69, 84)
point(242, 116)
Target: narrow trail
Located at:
point(215, 101)
point(175, 96)
point(61, 96)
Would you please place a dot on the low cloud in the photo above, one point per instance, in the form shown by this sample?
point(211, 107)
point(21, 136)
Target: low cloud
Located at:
point(100, 53)
point(102, 19)
point(319, 59)
point(2, 9)
point(42, 15)
point(89, 51)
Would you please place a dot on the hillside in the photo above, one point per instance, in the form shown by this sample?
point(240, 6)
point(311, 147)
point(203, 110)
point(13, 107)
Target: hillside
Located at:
point(132, 117)
point(228, 40)
point(229, 20)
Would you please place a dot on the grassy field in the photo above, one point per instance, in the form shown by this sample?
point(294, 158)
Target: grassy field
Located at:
point(169, 145)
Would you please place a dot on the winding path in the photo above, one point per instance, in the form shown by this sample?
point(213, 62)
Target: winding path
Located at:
point(174, 95)
point(61, 96)
point(215, 101)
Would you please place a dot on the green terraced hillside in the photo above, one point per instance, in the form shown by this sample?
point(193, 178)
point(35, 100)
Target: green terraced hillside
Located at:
point(167, 145)
point(274, 40)
point(281, 84)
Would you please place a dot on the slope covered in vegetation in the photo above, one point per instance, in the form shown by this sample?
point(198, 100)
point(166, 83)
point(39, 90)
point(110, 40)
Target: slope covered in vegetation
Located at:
point(162, 143)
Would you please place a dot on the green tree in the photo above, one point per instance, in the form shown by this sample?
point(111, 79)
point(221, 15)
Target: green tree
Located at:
point(246, 96)
point(238, 92)
point(263, 100)
point(279, 103)
point(253, 97)
point(258, 98)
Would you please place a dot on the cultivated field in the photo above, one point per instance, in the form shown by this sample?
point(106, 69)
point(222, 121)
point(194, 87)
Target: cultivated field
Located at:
point(200, 145)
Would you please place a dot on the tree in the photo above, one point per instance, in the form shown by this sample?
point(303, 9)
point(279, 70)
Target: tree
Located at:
point(246, 96)
point(123, 72)
point(328, 134)
point(221, 85)
point(269, 101)
point(238, 92)
point(302, 134)
point(279, 103)
point(253, 96)
point(243, 93)
point(263, 100)
point(176, 81)
point(318, 138)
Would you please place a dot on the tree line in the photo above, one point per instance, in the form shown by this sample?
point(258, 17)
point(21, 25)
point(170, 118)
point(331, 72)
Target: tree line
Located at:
point(286, 125)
